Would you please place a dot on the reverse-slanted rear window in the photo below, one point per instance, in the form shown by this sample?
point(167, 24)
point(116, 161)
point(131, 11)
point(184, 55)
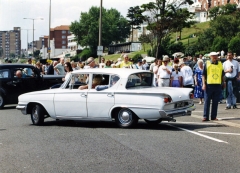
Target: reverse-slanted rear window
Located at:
point(139, 79)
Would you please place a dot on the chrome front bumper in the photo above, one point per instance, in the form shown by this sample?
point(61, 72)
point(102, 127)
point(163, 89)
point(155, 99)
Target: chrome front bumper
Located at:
point(22, 108)
point(177, 112)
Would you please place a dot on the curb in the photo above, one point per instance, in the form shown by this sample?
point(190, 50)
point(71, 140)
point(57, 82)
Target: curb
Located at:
point(220, 121)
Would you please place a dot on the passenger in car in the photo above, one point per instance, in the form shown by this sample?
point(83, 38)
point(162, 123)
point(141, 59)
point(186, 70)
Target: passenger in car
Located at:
point(97, 80)
point(103, 87)
point(19, 74)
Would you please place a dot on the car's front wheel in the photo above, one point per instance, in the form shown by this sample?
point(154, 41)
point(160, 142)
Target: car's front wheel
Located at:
point(126, 118)
point(154, 122)
point(37, 115)
point(2, 101)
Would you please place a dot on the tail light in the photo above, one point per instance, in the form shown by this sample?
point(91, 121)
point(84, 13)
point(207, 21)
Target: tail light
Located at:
point(167, 99)
point(191, 96)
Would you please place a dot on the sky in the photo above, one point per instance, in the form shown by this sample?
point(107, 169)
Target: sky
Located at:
point(63, 12)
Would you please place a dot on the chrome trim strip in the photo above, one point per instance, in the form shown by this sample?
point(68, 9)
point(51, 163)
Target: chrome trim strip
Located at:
point(83, 118)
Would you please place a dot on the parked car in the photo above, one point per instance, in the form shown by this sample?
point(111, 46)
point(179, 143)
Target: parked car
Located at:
point(126, 100)
point(12, 86)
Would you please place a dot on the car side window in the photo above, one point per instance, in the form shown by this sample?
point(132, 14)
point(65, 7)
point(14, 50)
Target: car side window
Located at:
point(4, 73)
point(76, 80)
point(139, 79)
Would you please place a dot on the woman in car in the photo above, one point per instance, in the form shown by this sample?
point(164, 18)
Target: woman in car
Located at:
point(97, 80)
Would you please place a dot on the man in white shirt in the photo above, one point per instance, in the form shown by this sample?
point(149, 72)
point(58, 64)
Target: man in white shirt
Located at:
point(187, 75)
point(138, 65)
point(155, 72)
point(232, 73)
point(164, 73)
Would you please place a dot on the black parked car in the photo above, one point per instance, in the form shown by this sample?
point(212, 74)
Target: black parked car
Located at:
point(12, 86)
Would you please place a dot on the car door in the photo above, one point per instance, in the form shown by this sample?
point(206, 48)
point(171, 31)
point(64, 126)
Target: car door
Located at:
point(69, 101)
point(99, 103)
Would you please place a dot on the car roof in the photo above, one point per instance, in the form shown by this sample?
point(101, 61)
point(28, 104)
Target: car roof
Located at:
point(123, 72)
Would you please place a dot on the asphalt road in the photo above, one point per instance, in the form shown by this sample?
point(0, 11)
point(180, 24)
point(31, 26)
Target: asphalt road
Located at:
point(83, 146)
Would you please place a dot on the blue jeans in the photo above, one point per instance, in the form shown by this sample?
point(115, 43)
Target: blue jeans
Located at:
point(212, 92)
point(231, 99)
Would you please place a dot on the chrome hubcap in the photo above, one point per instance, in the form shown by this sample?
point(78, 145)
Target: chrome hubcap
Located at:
point(35, 115)
point(125, 116)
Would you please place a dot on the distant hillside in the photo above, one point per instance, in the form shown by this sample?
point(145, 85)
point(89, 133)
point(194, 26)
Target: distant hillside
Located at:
point(187, 32)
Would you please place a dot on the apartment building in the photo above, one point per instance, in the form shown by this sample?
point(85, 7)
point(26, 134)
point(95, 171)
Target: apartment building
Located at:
point(58, 41)
point(10, 41)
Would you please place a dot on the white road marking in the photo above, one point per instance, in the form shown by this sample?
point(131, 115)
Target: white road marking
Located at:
point(197, 111)
point(221, 133)
point(226, 118)
point(122, 134)
point(189, 123)
point(199, 134)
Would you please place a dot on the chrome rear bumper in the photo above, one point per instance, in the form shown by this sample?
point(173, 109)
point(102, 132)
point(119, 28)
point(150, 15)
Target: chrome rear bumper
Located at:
point(178, 112)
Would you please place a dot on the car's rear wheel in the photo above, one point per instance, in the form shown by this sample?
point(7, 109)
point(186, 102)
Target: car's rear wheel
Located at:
point(37, 115)
point(2, 101)
point(126, 118)
point(154, 122)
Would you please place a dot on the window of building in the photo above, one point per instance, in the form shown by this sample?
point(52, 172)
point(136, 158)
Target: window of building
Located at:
point(63, 32)
point(69, 32)
point(63, 47)
point(215, 3)
point(63, 42)
point(223, 2)
point(63, 36)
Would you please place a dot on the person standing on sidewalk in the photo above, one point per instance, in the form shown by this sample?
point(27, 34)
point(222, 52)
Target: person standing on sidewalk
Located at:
point(212, 80)
point(164, 73)
point(232, 73)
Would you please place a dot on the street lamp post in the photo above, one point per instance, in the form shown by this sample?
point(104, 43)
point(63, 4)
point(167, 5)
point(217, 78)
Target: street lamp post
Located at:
point(27, 36)
point(100, 29)
point(33, 32)
point(48, 49)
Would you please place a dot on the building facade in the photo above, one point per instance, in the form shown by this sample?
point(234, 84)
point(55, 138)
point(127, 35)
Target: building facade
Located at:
point(10, 41)
point(201, 7)
point(58, 41)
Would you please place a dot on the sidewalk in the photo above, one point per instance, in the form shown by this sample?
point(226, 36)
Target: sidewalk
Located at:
point(229, 117)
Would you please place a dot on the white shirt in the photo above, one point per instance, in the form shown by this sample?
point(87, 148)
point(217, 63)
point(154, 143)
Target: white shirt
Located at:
point(102, 65)
point(151, 66)
point(163, 73)
point(175, 75)
point(228, 64)
point(155, 71)
point(187, 75)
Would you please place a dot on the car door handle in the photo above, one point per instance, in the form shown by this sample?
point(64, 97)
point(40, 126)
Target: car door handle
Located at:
point(110, 94)
point(84, 94)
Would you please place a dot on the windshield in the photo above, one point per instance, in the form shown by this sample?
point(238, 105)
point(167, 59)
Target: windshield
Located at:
point(139, 79)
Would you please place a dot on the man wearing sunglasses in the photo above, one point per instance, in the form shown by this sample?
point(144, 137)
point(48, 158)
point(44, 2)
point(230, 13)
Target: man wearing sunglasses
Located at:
point(91, 63)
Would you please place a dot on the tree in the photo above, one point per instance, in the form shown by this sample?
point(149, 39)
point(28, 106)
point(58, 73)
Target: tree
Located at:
point(226, 26)
point(234, 45)
point(115, 28)
point(205, 40)
point(136, 18)
point(214, 12)
point(219, 43)
point(147, 39)
point(36, 53)
point(163, 16)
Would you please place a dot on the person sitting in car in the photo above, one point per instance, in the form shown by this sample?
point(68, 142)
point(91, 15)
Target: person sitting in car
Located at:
point(19, 74)
point(103, 87)
point(96, 81)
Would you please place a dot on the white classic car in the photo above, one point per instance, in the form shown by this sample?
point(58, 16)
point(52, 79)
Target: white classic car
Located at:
point(123, 95)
